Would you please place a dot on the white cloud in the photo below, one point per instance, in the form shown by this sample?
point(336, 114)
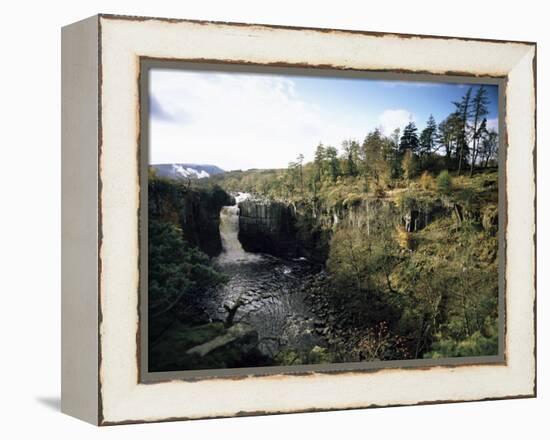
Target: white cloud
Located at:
point(391, 119)
point(492, 124)
point(240, 121)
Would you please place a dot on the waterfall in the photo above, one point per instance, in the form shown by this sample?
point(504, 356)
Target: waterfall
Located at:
point(229, 232)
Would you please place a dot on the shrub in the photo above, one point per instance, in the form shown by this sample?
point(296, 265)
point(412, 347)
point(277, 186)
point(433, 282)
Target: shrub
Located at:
point(380, 344)
point(379, 192)
point(475, 345)
point(444, 182)
point(404, 238)
point(427, 182)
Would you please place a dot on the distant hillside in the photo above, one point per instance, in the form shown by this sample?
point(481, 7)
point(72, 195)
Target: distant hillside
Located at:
point(186, 170)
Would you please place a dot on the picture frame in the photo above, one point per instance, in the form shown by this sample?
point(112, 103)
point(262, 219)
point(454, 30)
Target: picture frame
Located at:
point(105, 60)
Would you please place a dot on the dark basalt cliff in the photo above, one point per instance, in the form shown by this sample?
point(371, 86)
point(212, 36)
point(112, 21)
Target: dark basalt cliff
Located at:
point(290, 231)
point(268, 227)
point(196, 212)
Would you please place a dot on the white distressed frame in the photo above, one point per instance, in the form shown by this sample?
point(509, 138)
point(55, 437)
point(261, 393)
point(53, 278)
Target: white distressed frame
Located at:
point(122, 41)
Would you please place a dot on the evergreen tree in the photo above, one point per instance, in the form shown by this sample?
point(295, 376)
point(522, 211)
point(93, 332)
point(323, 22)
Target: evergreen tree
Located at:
point(428, 137)
point(331, 155)
point(351, 157)
point(320, 154)
point(394, 157)
point(394, 138)
point(300, 165)
point(409, 140)
point(177, 271)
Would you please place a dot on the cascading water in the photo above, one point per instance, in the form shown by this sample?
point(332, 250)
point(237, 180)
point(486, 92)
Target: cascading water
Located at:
point(233, 251)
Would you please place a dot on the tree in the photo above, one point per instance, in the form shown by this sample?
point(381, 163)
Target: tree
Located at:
point(394, 137)
point(479, 111)
point(291, 178)
point(351, 157)
point(375, 151)
point(464, 112)
point(488, 149)
point(300, 166)
point(331, 154)
point(394, 157)
point(448, 134)
point(409, 165)
point(409, 140)
point(428, 137)
point(320, 155)
point(177, 272)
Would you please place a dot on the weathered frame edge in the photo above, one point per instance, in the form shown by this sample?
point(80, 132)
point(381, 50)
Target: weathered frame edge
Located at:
point(80, 221)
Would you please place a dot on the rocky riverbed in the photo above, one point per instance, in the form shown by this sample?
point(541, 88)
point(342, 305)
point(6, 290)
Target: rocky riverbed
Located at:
point(268, 294)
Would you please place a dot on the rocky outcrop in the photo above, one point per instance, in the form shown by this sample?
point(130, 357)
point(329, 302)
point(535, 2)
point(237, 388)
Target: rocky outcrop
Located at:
point(268, 227)
point(195, 211)
point(415, 219)
point(289, 230)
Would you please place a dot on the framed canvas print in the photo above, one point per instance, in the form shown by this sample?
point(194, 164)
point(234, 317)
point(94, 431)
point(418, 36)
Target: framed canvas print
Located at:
point(264, 219)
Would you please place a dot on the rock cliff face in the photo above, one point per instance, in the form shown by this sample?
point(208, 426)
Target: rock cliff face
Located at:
point(196, 212)
point(291, 231)
point(416, 216)
point(269, 227)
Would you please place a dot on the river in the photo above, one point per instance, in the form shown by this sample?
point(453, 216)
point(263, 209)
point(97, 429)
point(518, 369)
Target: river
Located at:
point(265, 292)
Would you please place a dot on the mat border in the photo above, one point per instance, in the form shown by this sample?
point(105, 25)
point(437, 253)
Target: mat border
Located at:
point(147, 64)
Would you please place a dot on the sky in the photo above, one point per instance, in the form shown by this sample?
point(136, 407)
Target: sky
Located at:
point(251, 120)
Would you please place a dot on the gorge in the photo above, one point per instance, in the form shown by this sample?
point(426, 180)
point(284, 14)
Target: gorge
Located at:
point(264, 292)
point(342, 278)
